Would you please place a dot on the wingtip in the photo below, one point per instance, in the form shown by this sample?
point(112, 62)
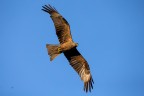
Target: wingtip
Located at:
point(48, 8)
point(88, 86)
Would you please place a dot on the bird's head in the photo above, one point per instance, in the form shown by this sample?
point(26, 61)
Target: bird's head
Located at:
point(76, 44)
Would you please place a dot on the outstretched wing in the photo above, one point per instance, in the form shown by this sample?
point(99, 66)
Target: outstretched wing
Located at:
point(61, 25)
point(81, 66)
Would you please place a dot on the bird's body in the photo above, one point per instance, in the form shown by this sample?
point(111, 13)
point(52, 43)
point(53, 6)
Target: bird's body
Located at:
point(68, 47)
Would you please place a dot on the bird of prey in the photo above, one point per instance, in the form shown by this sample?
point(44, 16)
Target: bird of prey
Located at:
point(68, 47)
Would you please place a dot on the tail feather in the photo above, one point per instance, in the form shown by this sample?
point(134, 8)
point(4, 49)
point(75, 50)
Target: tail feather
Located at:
point(53, 50)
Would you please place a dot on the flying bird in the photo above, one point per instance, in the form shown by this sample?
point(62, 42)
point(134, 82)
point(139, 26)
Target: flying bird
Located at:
point(68, 47)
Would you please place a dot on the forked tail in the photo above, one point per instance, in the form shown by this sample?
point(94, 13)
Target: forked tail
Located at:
point(53, 50)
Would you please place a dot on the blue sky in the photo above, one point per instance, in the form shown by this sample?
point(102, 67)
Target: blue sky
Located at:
point(110, 34)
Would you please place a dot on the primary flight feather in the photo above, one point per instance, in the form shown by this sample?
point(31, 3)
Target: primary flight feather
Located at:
point(68, 47)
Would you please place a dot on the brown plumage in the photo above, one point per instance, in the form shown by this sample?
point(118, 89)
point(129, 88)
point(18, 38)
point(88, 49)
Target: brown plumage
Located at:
point(68, 47)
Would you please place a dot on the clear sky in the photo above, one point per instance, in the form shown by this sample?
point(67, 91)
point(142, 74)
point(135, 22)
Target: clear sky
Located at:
point(110, 34)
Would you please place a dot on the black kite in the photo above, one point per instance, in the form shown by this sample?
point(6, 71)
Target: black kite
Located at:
point(68, 47)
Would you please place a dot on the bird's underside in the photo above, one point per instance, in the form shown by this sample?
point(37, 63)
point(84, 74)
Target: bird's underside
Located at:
point(68, 47)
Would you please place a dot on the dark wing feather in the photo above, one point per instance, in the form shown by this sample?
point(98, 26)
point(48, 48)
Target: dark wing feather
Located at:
point(81, 66)
point(61, 25)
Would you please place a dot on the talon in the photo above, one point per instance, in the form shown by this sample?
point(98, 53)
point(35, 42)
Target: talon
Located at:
point(59, 49)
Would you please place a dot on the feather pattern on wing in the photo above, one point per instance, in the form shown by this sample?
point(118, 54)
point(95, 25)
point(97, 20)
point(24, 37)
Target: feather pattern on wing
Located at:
point(81, 66)
point(61, 25)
